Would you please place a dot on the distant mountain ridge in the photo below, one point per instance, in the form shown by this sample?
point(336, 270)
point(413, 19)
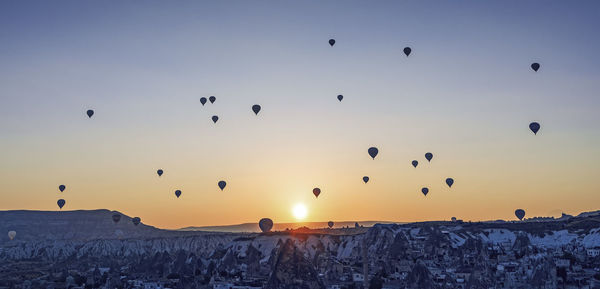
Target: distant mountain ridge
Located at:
point(79, 225)
point(253, 227)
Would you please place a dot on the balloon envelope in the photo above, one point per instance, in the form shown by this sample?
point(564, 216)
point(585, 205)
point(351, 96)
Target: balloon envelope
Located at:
point(136, 220)
point(425, 191)
point(340, 97)
point(449, 182)
point(520, 213)
point(90, 113)
point(407, 51)
point(215, 118)
point(415, 163)
point(330, 224)
point(365, 179)
point(331, 42)
point(222, 185)
point(116, 218)
point(12, 234)
point(61, 203)
point(203, 100)
point(265, 224)
point(316, 192)
point(178, 193)
point(256, 109)
point(212, 99)
point(429, 156)
point(534, 127)
point(535, 66)
point(159, 172)
point(62, 188)
point(373, 151)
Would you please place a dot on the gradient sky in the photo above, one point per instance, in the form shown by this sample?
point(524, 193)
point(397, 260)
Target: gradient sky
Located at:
point(466, 93)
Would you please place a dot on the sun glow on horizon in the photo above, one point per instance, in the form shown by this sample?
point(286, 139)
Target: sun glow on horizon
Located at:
point(299, 211)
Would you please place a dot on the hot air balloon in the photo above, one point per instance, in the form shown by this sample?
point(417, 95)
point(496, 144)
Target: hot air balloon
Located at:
point(136, 220)
point(340, 97)
point(203, 100)
point(373, 151)
point(534, 127)
point(177, 193)
point(330, 224)
point(425, 191)
point(61, 203)
point(449, 182)
point(331, 42)
point(116, 218)
point(212, 99)
point(316, 192)
point(415, 163)
point(365, 179)
point(265, 225)
point(407, 51)
point(215, 118)
point(429, 156)
point(159, 172)
point(453, 219)
point(535, 66)
point(222, 185)
point(256, 108)
point(90, 113)
point(62, 188)
point(12, 234)
point(520, 213)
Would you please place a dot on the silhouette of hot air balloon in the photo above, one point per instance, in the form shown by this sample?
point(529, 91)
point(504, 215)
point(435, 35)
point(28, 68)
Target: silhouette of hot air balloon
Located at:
point(449, 182)
point(222, 185)
point(90, 113)
point(330, 224)
point(425, 191)
point(177, 193)
point(12, 234)
point(365, 179)
point(203, 100)
point(331, 42)
point(415, 163)
point(215, 118)
point(373, 151)
point(116, 218)
point(61, 203)
point(256, 108)
point(429, 156)
point(159, 172)
point(535, 66)
point(265, 225)
point(520, 213)
point(534, 127)
point(316, 192)
point(212, 99)
point(62, 188)
point(340, 97)
point(136, 220)
point(407, 51)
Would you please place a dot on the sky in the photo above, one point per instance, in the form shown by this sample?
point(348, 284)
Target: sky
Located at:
point(466, 94)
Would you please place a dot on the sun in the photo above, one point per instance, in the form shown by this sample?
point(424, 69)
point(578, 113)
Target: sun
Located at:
point(299, 211)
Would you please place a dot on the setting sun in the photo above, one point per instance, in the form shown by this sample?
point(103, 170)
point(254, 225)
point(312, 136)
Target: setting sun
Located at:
point(299, 211)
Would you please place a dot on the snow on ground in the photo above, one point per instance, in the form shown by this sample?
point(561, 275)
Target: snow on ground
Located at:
point(556, 239)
